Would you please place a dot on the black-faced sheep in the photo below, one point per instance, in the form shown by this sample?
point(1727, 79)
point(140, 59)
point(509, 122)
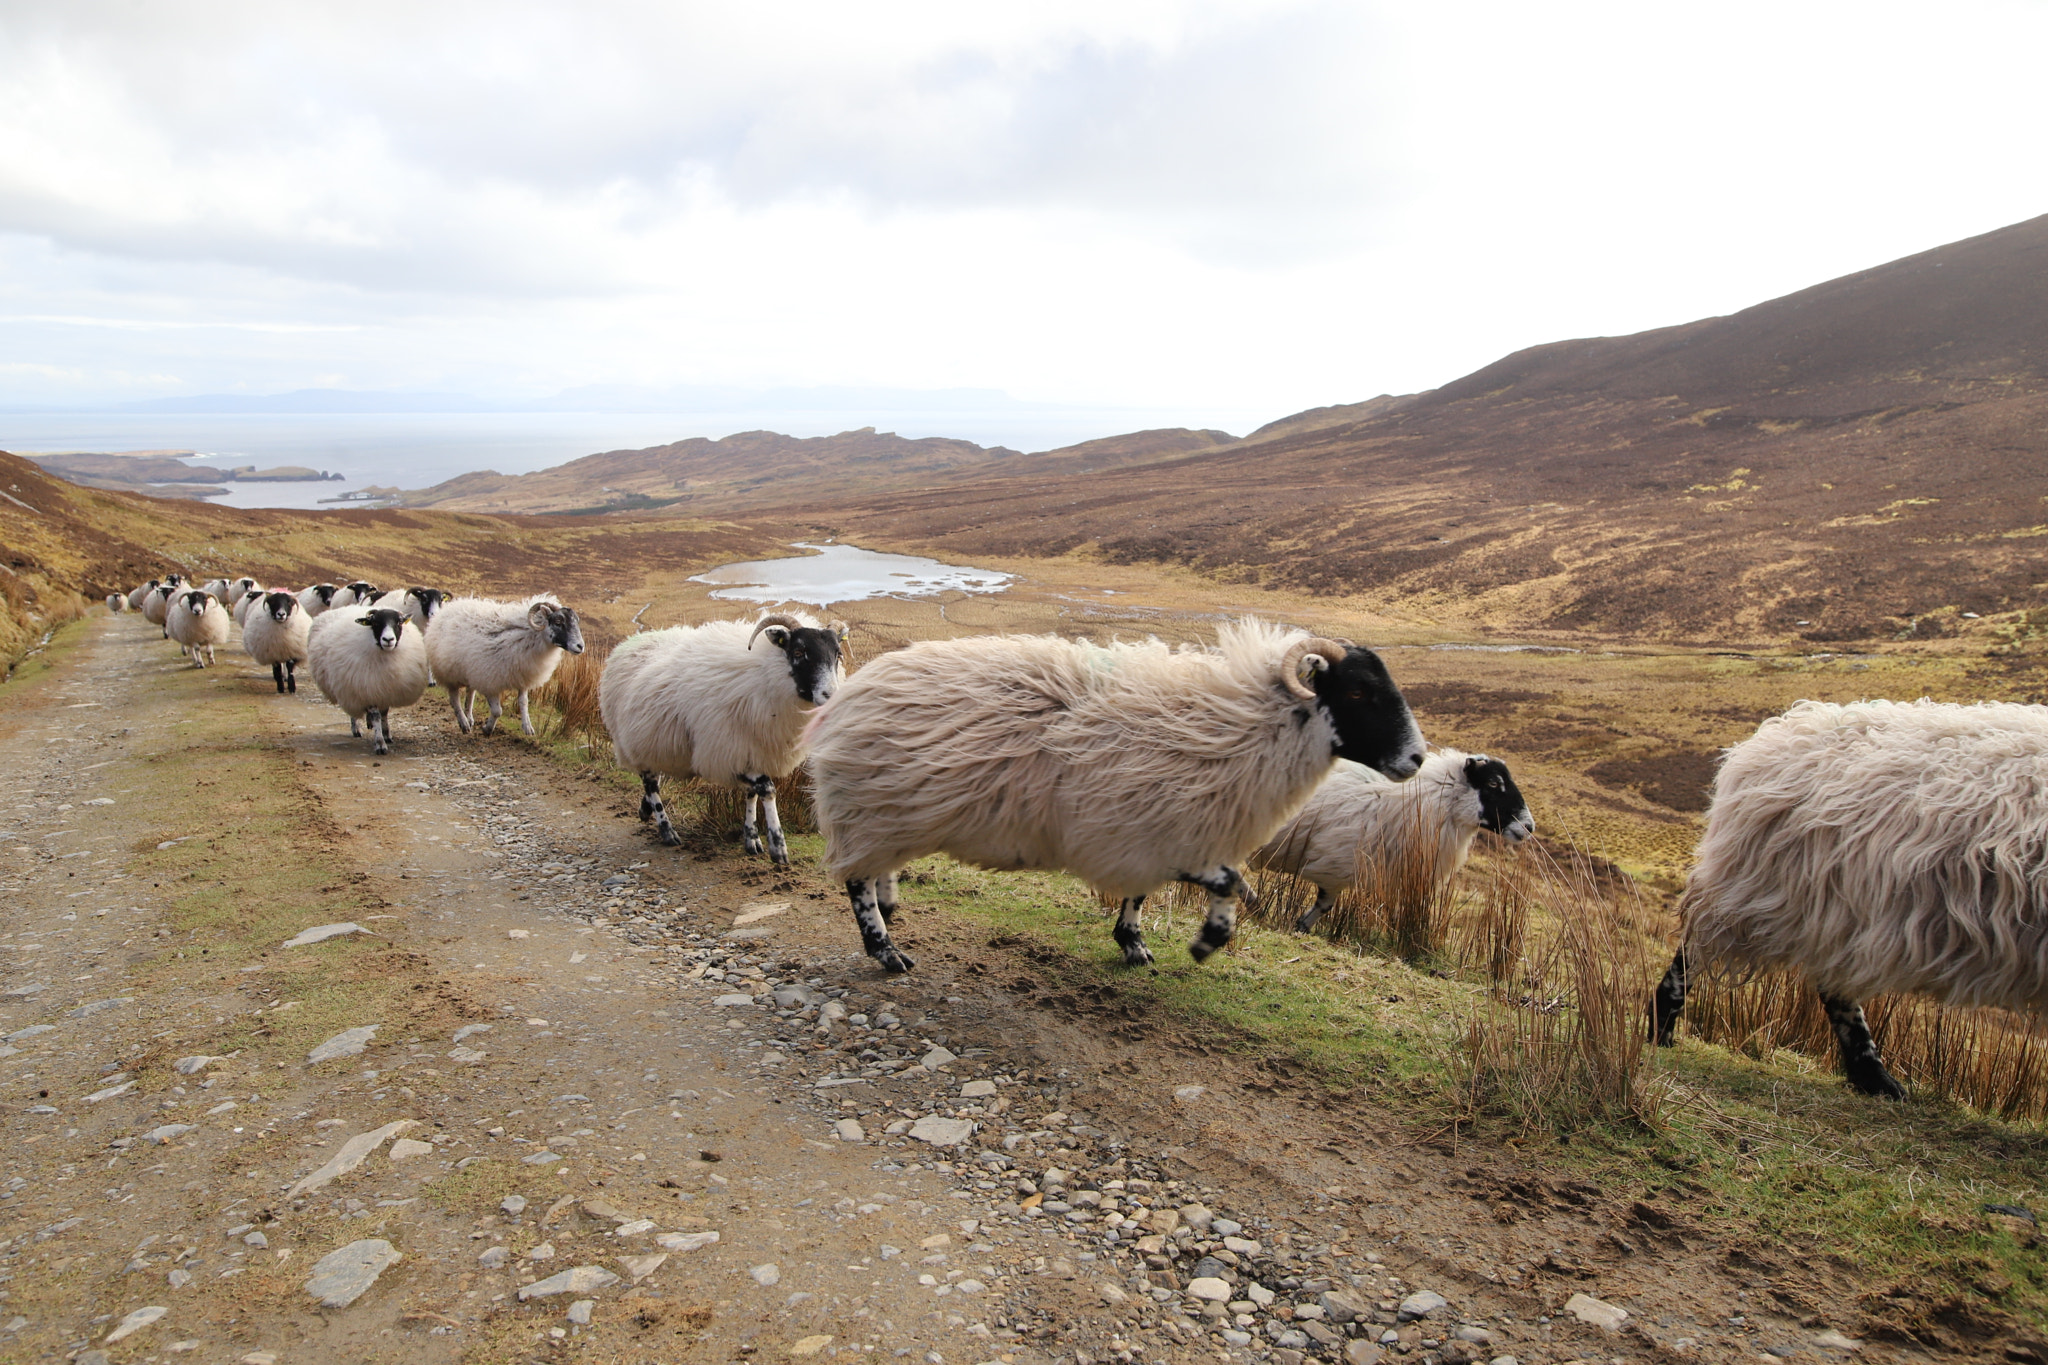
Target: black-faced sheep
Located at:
point(135, 599)
point(705, 701)
point(246, 603)
point(356, 594)
point(1879, 846)
point(197, 621)
point(276, 633)
point(1356, 815)
point(156, 605)
point(1130, 766)
point(483, 648)
point(417, 605)
point(116, 603)
point(317, 599)
point(368, 664)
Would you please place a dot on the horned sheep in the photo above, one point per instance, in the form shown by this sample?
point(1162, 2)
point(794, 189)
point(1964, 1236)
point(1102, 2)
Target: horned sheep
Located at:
point(197, 621)
point(1877, 846)
point(276, 633)
point(1356, 814)
point(1130, 766)
point(705, 701)
point(483, 648)
point(369, 665)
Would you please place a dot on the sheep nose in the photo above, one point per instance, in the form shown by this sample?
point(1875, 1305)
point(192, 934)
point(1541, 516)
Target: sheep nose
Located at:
point(1407, 765)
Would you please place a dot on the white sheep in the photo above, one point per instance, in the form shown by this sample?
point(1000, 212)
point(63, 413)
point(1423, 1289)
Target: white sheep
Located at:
point(1130, 766)
point(157, 603)
point(356, 594)
point(1877, 846)
point(116, 603)
point(717, 702)
point(484, 648)
point(136, 598)
point(1357, 815)
point(369, 664)
point(244, 604)
point(277, 633)
point(417, 605)
point(197, 621)
point(317, 598)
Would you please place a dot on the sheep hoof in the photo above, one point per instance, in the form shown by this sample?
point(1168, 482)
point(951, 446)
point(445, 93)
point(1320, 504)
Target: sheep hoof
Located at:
point(752, 845)
point(894, 961)
point(669, 836)
point(1869, 1076)
point(1137, 955)
point(1200, 949)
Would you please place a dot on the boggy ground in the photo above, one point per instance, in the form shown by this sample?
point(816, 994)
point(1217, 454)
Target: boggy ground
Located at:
point(168, 829)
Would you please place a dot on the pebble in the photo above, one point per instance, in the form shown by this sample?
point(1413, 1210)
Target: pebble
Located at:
point(491, 1258)
point(579, 1311)
point(540, 1158)
point(977, 1090)
point(100, 1007)
point(632, 1227)
point(1588, 1309)
point(169, 1131)
point(353, 1153)
point(514, 1204)
point(470, 1031)
point(133, 1323)
point(810, 1346)
point(345, 1274)
point(936, 1058)
point(1209, 1289)
point(192, 1066)
point(111, 1092)
point(347, 1043)
point(575, 1280)
point(322, 932)
point(733, 998)
point(849, 1130)
point(405, 1149)
point(179, 1278)
point(1421, 1304)
point(685, 1241)
point(942, 1132)
point(767, 1276)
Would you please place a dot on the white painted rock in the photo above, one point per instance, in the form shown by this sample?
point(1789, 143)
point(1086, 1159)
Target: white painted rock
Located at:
point(942, 1132)
point(685, 1241)
point(405, 1149)
point(322, 932)
point(576, 1280)
point(1210, 1289)
point(1600, 1314)
point(135, 1322)
point(344, 1275)
point(347, 1043)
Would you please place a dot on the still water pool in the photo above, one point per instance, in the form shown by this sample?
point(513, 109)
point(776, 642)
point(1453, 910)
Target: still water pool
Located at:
point(845, 573)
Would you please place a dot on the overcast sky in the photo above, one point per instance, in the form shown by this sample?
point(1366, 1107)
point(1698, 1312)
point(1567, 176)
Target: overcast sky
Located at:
point(1226, 208)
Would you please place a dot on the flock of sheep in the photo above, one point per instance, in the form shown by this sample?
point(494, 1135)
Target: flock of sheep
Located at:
point(1876, 847)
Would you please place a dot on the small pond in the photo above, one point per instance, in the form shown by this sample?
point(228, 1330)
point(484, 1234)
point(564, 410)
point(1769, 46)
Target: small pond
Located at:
point(845, 573)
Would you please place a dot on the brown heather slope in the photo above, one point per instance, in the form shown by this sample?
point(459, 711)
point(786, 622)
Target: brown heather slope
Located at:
point(1861, 460)
point(761, 468)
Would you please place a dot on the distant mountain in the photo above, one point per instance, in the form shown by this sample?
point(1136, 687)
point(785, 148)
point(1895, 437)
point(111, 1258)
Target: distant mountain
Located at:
point(1866, 459)
point(315, 401)
point(684, 398)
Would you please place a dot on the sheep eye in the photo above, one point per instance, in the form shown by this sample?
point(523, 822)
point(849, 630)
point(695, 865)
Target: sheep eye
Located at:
point(1356, 694)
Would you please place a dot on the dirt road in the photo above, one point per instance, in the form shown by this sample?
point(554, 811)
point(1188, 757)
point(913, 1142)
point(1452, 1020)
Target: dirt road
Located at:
point(629, 1102)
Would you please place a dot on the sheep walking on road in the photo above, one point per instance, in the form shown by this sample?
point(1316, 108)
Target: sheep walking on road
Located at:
point(1131, 766)
point(136, 598)
point(156, 604)
point(1357, 815)
point(316, 599)
point(726, 702)
point(368, 664)
point(276, 633)
point(1877, 847)
point(197, 621)
point(483, 648)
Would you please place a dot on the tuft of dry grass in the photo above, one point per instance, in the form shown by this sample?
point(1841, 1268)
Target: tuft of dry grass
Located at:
point(725, 806)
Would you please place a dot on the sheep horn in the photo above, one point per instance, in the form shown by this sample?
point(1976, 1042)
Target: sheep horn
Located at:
point(774, 619)
point(1314, 647)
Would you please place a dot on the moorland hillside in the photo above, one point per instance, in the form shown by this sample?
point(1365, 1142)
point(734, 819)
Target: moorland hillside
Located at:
point(1861, 460)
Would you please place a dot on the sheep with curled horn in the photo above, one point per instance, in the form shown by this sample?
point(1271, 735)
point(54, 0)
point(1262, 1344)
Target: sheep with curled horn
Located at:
point(725, 702)
point(1130, 766)
point(479, 647)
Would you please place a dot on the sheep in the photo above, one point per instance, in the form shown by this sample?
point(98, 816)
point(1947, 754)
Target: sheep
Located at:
point(481, 648)
point(1877, 846)
point(704, 701)
point(116, 603)
point(135, 598)
point(1130, 765)
point(417, 605)
point(276, 633)
point(218, 587)
point(369, 665)
point(244, 604)
point(356, 594)
point(157, 604)
point(1356, 813)
point(198, 621)
point(317, 598)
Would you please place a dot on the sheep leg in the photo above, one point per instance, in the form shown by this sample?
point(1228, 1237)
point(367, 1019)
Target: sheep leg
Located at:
point(497, 710)
point(525, 721)
point(1307, 922)
point(355, 727)
point(763, 786)
point(1129, 936)
point(874, 931)
point(1225, 887)
point(379, 743)
point(1670, 1002)
point(277, 675)
point(291, 676)
point(750, 835)
point(458, 697)
point(885, 896)
point(651, 808)
point(1860, 1062)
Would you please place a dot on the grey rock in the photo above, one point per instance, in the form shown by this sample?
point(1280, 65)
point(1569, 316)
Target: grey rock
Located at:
point(575, 1280)
point(1421, 1304)
point(92, 1358)
point(1344, 1306)
point(353, 1153)
point(42, 1109)
point(936, 1058)
point(977, 1090)
point(347, 1043)
point(169, 1132)
point(579, 1311)
point(23, 992)
point(320, 933)
point(345, 1274)
point(767, 1276)
point(494, 1258)
point(470, 1031)
point(257, 1240)
point(192, 1066)
point(794, 997)
point(514, 1204)
point(942, 1132)
point(1225, 1227)
point(1363, 1353)
point(1478, 1336)
point(87, 1011)
point(31, 1031)
point(732, 999)
point(540, 1158)
point(1606, 1316)
point(180, 1278)
point(849, 1130)
point(133, 1323)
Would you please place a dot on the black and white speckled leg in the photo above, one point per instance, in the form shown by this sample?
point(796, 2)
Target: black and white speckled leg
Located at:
point(460, 699)
point(874, 930)
point(885, 897)
point(750, 831)
point(1129, 935)
point(497, 711)
point(379, 744)
point(1860, 1063)
point(1670, 1002)
point(525, 720)
point(1224, 886)
point(771, 822)
point(1308, 919)
point(651, 808)
point(355, 727)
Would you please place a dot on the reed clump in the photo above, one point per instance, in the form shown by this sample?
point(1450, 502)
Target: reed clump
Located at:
point(572, 696)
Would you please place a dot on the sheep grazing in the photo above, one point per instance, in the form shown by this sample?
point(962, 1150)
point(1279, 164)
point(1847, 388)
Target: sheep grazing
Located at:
point(720, 702)
point(356, 594)
point(1879, 846)
point(317, 598)
point(1356, 815)
point(136, 598)
point(197, 621)
point(276, 633)
point(482, 648)
point(369, 665)
point(1130, 766)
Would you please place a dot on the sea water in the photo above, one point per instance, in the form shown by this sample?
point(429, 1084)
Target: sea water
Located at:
point(845, 573)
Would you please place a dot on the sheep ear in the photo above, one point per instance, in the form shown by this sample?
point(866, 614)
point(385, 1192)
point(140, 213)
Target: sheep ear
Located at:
point(537, 616)
point(364, 621)
point(841, 630)
point(777, 636)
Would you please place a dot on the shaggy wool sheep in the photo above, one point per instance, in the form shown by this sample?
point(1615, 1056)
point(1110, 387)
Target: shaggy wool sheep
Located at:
point(356, 594)
point(484, 648)
point(1879, 846)
point(135, 599)
point(1356, 815)
point(316, 599)
point(277, 633)
point(720, 702)
point(369, 664)
point(1130, 766)
point(116, 603)
point(246, 603)
point(157, 604)
point(197, 621)
point(417, 605)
